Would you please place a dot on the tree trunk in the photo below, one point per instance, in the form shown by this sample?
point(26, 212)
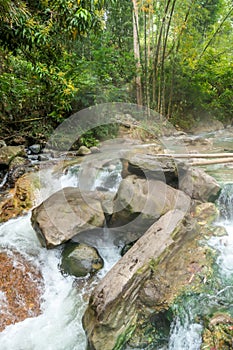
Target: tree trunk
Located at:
point(137, 53)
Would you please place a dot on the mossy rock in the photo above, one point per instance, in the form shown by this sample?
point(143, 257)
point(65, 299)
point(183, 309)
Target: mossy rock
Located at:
point(20, 199)
point(79, 260)
point(218, 334)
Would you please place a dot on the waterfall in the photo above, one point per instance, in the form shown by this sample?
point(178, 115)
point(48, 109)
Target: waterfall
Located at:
point(59, 327)
point(4, 180)
point(225, 202)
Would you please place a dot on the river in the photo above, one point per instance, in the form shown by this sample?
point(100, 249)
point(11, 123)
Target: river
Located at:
point(59, 326)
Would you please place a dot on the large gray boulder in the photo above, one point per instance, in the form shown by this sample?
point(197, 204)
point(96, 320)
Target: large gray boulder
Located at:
point(65, 214)
point(199, 185)
point(153, 167)
point(193, 181)
point(139, 202)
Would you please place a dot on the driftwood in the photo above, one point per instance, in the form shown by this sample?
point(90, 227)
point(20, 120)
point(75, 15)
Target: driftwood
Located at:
point(201, 158)
point(196, 155)
point(212, 161)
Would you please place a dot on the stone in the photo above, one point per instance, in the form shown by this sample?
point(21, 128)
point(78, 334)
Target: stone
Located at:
point(83, 151)
point(167, 260)
point(8, 153)
point(18, 161)
point(2, 143)
point(149, 166)
point(20, 199)
point(35, 149)
point(205, 213)
point(112, 307)
point(140, 202)
point(65, 214)
point(14, 174)
point(218, 332)
point(199, 185)
point(80, 260)
point(94, 149)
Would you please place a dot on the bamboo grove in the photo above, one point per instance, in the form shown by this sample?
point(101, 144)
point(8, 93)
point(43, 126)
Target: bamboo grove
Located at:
point(58, 56)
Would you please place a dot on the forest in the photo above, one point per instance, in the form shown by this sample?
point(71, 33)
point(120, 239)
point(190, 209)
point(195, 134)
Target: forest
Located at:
point(58, 57)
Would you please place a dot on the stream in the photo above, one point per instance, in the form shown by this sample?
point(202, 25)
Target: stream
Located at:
point(59, 326)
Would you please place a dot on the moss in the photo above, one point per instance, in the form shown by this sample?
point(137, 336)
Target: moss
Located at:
point(124, 337)
point(218, 333)
point(151, 333)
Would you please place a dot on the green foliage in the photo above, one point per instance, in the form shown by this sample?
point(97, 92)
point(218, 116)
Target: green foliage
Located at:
point(58, 57)
point(93, 136)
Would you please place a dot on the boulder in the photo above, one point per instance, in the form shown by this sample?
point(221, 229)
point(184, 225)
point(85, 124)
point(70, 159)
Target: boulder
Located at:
point(218, 332)
point(83, 151)
point(18, 161)
point(20, 199)
point(35, 149)
point(199, 185)
point(66, 213)
point(149, 166)
point(95, 149)
point(205, 213)
point(80, 260)
point(139, 202)
point(112, 309)
point(8, 153)
point(147, 280)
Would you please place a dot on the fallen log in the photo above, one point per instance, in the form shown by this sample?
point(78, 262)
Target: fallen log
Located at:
point(212, 161)
point(196, 155)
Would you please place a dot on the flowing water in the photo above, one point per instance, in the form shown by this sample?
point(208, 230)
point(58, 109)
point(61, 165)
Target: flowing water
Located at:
point(186, 333)
point(63, 302)
point(59, 327)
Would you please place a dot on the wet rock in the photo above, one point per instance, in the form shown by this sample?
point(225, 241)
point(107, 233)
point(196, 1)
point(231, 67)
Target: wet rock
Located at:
point(83, 151)
point(35, 149)
point(18, 162)
point(14, 174)
point(44, 157)
point(149, 166)
point(2, 143)
point(94, 149)
point(65, 214)
point(218, 333)
point(21, 288)
point(147, 280)
point(80, 260)
point(197, 141)
point(112, 309)
point(205, 213)
point(33, 157)
point(199, 185)
point(8, 153)
point(20, 198)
